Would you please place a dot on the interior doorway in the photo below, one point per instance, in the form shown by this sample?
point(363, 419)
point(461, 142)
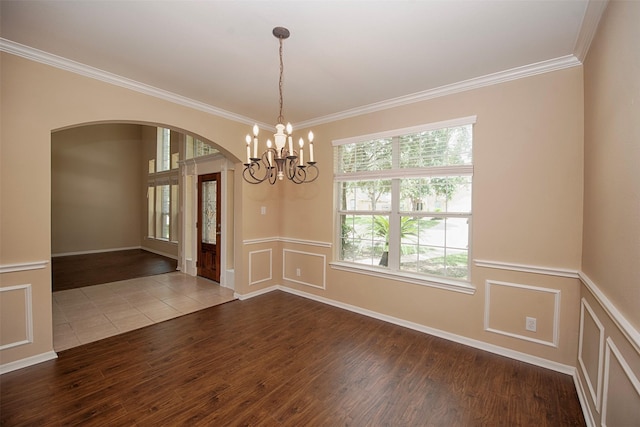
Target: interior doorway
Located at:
point(209, 226)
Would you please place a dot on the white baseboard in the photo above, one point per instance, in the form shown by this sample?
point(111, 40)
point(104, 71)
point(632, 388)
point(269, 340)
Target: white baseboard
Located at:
point(99, 251)
point(96, 251)
point(243, 297)
point(153, 251)
point(28, 361)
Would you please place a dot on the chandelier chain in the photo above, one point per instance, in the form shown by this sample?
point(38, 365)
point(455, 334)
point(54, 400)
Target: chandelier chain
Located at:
point(281, 117)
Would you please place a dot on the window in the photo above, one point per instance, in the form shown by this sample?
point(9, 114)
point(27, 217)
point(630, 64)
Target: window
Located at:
point(197, 148)
point(163, 218)
point(162, 192)
point(162, 201)
point(163, 151)
point(404, 201)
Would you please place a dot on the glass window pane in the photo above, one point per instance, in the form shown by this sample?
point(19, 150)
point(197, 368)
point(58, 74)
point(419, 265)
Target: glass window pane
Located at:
point(173, 232)
point(457, 264)
point(209, 212)
point(360, 242)
point(150, 211)
point(457, 233)
point(163, 150)
point(162, 212)
point(364, 156)
point(440, 247)
point(436, 194)
point(440, 147)
point(372, 195)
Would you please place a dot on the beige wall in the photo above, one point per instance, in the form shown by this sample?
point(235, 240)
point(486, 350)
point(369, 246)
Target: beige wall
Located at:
point(609, 354)
point(527, 210)
point(96, 200)
point(527, 197)
point(612, 159)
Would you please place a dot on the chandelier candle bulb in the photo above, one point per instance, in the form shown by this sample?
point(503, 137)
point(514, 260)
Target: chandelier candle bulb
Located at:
point(248, 139)
point(301, 153)
point(255, 141)
point(311, 146)
point(289, 131)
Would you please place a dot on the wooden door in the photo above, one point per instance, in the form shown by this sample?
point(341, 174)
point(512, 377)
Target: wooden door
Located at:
point(209, 227)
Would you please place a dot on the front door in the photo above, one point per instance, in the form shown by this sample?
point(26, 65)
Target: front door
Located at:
point(209, 226)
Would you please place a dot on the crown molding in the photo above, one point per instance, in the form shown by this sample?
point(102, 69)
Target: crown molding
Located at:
point(593, 13)
point(104, 76)
point(471, 84)
point(475, 83)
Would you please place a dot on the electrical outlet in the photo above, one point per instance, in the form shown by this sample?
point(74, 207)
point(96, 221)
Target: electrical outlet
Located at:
point(263, 210)
point(298, 272)
point(531, 324)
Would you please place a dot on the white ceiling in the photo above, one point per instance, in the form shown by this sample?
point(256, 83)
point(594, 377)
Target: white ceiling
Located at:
point(343, 57)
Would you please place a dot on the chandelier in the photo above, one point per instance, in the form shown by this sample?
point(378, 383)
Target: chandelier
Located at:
point(280, 159)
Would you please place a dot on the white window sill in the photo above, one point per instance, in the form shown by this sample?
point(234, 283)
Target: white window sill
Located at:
point(416, 279)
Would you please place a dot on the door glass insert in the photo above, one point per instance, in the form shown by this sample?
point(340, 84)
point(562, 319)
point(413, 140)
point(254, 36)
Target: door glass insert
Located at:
point(209, 190)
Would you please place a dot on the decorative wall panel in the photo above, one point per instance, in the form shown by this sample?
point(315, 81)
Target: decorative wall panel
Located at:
point(305, 268)
point(260, 266)
point(621, 397)
point(591, 351)
point(508, 305)
point(16, 316)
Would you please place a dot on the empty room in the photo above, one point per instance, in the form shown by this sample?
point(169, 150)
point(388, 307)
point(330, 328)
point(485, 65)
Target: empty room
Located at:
point(412, 213)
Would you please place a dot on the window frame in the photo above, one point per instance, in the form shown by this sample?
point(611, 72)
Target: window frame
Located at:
point(396, 174)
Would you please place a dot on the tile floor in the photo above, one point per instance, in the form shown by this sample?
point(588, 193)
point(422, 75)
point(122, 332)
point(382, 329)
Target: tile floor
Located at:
point(92, 313)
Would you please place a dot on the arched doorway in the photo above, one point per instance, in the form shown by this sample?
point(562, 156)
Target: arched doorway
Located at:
point(109, 192)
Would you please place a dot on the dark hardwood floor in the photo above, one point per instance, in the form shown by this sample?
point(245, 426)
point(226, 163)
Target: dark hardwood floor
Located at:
point(77, 271)
point(282, 360)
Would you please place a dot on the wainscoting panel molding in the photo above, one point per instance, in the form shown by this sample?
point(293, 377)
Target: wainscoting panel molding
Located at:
point(548, 271)
point(624, 409)
point(303, 267)
point(276, 239)
point(16, 310)
point(621, 322)
point(499, 320)
point(306, 242)
point(260, 263)
point(591, 351)
point(25, 266)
